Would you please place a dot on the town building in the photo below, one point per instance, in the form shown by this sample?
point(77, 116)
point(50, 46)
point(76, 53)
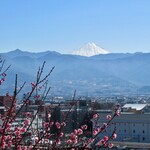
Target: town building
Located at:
point(5, 101)
point(133, 125)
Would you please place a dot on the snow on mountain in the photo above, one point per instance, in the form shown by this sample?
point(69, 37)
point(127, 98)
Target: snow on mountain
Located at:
point(90, 49)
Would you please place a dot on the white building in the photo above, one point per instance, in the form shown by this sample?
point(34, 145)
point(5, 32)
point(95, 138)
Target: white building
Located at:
point(132, 126)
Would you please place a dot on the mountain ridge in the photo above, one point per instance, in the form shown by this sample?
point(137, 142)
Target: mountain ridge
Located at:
point(113, 73)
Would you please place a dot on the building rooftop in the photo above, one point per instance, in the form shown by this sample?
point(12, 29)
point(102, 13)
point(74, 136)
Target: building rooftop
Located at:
point(137, 107)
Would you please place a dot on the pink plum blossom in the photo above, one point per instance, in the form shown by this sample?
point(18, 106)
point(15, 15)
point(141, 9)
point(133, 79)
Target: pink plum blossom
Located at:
point(108, 117)
point(95, 116)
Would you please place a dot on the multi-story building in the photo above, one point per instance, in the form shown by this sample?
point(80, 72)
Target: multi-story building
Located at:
point(74, 113)
point(5, 101)
point(133, 125)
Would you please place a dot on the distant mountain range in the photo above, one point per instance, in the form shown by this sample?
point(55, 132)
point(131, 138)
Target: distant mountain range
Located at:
point(112, 73)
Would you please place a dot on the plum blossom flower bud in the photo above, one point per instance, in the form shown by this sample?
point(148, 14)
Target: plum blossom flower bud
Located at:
point(4, 74)
point(9, 125)
point(95, 132)
point(32, 84)
point(48, 135)
point(3, 79)
point(51, 123)
point(27, 122)
point(61, 134)
point(63, 124)
point(69, 141)
point(95, 116)
point(9, 137)
point(97, 129)
point(108, 117)
point(84, 127)
point(118, 112)
point(110, 145)
point(23, 130)
point(105, 138)
point(104, 125)
point(75, 131)
point(48, 115)
point(3, 145)
point(17, 133)
point(9, 143)
point(114, 136)
point(28, 114)
point(58, 141)
point(37, 96)
point(75, 141)
point(36, 139)
point(80, 131)
point(58, 125)
point(19, 147)
point(101, 142)
point(39, 88)
point(73, 136)
point(46, 124)
point(4, 138)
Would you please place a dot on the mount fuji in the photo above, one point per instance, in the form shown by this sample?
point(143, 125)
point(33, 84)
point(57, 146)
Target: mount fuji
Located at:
point(90, 49)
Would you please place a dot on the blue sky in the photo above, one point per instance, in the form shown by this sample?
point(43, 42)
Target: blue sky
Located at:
point(65, 25)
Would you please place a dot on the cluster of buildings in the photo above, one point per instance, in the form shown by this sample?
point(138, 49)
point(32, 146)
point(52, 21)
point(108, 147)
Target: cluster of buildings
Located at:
point(132, 127)
point(73, 112)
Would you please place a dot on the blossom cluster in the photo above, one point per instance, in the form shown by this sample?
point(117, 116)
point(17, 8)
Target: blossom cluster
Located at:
point(22, 136)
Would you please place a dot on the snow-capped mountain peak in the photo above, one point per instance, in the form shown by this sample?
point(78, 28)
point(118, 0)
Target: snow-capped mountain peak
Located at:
point(90, 49)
